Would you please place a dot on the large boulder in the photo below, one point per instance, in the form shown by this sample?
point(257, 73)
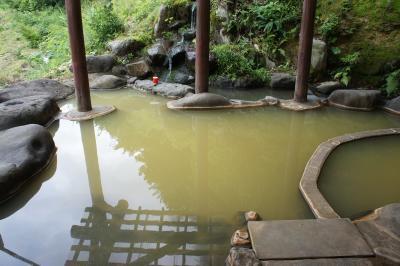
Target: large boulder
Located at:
point(326, 88)
point(51, 88)
point(381, 229)
point(178, 54)
point(202, 100)
point(180, 15)
point(239, 256)
point(25, 151)
point(393, 105)
point(364, 100)
point(191, 61)
point(125, 47)
point(170, 90)
point(140, 69)
point(157, 54)
point(28, 110)
point(107, 82)
point(319, 58)
point(282, 81)
point(119, 70)
point(100, 63)
point(239, 83)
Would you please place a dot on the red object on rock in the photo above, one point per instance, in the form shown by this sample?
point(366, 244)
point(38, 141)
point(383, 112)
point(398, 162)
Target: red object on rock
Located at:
point(156, 80)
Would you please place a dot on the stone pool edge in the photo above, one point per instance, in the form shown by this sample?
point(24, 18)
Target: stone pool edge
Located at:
point(309, 180)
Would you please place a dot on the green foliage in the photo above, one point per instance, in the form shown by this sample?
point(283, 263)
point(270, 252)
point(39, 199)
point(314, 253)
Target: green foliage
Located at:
point(392, 85)
point(343, 74)
point(269, 24)
point(32, 5)
point(104, 24)
point(329, 28)
point(237, 60)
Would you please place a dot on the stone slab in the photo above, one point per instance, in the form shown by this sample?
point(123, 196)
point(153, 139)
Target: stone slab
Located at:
point(97, 111)
point(325, 262)
point(307, 239)
point(298, 107)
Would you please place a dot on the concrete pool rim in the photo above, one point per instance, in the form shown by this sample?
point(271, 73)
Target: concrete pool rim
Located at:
point(309, 180)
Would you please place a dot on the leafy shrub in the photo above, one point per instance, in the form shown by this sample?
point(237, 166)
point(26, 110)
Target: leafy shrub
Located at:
point(104, 24)
point(269, 24)
point(237, 60)
point(329, 28)
point(343, 74)
point(36, 25)
point(31, 5)
point(392, 85)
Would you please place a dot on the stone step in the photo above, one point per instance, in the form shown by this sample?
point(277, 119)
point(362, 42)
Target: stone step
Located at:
point(307, 239)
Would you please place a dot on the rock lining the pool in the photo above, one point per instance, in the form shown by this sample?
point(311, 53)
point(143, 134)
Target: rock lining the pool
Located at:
point(25, 152)
point(209, 101)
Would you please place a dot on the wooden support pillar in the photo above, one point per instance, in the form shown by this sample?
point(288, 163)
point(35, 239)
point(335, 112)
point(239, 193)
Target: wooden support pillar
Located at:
point(77, 44)
point(305, 50)
point(202, 45)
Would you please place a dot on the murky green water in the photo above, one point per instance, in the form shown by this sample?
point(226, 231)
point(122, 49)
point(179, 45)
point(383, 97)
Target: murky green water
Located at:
point(157, 187)
point(362, 176)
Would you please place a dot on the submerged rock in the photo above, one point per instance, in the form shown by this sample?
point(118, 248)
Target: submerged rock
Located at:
point(326, 88)
point(37, 109)
point(140, 69)
point(100, 63)
point(363, 100)
point(25, 151)
point(381, 229)
point(125, 47)
point(202, 100)
point(239, 256)
point(107, 82)
point(51, 88)
point(171, 90)
point(282, 81)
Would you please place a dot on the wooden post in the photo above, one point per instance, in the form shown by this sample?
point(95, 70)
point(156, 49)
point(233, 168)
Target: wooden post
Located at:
point(202, 45)
point(77, 44)
point(305, 50)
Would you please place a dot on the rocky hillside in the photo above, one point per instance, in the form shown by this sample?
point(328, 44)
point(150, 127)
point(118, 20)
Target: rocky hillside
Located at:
point(357, 41)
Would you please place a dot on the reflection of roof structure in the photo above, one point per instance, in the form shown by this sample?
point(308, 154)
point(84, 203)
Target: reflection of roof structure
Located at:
point(120, 236)
point(15, 255)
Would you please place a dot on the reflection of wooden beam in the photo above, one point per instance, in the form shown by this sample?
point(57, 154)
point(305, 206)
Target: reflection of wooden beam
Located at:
point(121, 235)
point(92, 162)
point(199, 252)
point(15, 255)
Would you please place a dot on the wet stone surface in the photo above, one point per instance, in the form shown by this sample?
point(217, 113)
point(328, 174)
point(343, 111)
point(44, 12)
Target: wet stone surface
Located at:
point(382, 231)
point(51, 88)
point(363, 100)
point(305, 239)
point(28, 110)
point(25, 150)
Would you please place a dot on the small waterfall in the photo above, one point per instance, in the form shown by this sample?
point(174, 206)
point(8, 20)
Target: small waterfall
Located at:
point(193, 17)
point(169, 67)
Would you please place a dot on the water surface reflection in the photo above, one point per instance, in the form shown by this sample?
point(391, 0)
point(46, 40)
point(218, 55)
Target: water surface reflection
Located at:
point(119, 235)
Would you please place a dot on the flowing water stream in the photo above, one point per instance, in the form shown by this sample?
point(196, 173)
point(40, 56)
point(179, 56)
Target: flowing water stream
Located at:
point(151, 186)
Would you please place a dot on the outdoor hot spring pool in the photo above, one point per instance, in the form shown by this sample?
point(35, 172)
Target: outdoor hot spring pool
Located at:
point(157, 187)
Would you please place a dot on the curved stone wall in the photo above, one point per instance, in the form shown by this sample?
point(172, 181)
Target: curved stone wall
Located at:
point(309, 181)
